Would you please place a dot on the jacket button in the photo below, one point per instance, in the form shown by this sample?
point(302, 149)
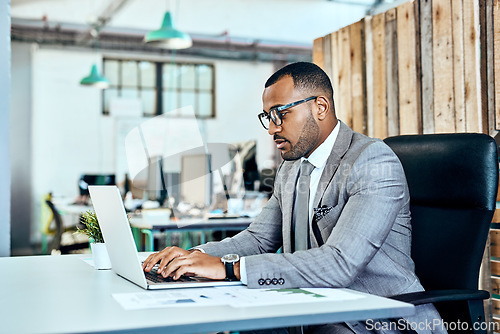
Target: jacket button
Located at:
point(268, 281)
point(275, 281)
point(281, 281)
point(261, 281)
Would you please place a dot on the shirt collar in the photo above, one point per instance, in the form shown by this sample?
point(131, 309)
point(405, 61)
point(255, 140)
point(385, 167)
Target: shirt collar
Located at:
point(319, 156)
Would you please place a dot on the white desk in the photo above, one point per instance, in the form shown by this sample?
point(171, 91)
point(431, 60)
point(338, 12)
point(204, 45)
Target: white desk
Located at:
point(63, 294)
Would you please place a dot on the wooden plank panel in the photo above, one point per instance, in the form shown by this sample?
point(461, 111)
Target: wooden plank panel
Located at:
point(483, 72)
point(356, 32)
point(471, 66)
point(345, 111)
point(442, 60)
point(418, 67)
point(427, 69)
point(496, 306)
point(495, 268)
point(496, 216)
point(327, 55)
point(458, 65)
point(495, 285)
point(496, 47)
point(380, 129)
point(498, 195)
point(318, 56)
point(334, 41)
point(495, 243)
point(391, 53)
point(496, 325)
point(369, 75)
point(409, 111)
point(490, 54)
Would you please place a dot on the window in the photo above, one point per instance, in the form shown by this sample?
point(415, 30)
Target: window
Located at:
point(161, 87)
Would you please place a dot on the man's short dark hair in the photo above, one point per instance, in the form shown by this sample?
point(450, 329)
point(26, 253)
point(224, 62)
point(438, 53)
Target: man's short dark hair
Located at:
point(306, 76)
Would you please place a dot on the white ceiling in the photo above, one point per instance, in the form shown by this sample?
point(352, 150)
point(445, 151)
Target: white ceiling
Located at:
point(298, 21)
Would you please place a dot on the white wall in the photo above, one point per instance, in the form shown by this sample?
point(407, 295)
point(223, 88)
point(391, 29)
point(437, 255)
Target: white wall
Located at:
point(5, 57)
point(71, 136)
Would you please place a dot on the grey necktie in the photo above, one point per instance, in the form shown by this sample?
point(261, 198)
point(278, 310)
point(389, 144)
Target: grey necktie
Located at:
point(301, 205)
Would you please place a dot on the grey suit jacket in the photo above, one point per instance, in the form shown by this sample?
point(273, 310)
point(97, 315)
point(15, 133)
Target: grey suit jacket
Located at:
point(362, 240)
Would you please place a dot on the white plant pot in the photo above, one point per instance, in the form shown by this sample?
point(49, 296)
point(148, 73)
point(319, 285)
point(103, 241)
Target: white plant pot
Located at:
point(100, 255)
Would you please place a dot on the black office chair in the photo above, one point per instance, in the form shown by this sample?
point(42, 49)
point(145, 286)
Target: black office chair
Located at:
point(453, 182)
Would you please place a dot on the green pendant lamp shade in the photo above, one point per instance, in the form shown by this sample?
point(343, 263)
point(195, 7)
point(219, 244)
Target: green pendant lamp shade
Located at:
point(167, 37)
point(95, 79)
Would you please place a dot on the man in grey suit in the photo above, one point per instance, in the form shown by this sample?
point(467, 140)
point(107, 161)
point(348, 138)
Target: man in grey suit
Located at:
point(354, 232)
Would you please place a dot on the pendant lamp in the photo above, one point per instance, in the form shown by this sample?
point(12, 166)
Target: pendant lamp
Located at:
point(167, 37)
point(94, 79)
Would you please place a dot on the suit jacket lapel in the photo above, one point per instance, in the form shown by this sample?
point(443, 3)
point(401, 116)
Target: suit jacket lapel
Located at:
point(340, 147)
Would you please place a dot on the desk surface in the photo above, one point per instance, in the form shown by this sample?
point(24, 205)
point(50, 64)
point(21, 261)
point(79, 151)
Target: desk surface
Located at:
point(162, 223)
point(63, 294)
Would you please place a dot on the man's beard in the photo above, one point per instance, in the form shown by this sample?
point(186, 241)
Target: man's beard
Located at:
point(307, 141)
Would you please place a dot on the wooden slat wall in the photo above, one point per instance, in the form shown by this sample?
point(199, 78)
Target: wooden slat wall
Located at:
point(471, 61)
point(416, 68)
point(458, 65)
point(426, 61)
point(496, 52)
point(492, 306)
point(408, 72)
point(495, 243)
point(379, 71)
point(358, 84)
point(426, 66)
point(345, 107)
point(442, 62)
point(391, 53)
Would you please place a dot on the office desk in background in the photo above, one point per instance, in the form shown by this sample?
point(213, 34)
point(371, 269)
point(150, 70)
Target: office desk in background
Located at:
point(159, 222)
point(63, 294)
point(154, 224)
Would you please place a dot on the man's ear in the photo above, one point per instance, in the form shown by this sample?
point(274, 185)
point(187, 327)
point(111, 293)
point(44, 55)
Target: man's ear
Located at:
point(323, 107)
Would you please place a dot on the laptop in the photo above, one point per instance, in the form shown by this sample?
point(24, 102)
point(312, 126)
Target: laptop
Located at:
point(122, 251)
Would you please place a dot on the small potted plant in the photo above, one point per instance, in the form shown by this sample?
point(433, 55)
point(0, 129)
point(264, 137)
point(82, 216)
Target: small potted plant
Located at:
point(93, 231)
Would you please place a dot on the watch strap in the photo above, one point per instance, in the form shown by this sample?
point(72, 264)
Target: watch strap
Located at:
point(230, 276)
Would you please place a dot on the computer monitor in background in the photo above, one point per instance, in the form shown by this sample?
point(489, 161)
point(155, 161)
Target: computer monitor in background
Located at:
point(87, 180)
point(196, 179)
point(161, 185)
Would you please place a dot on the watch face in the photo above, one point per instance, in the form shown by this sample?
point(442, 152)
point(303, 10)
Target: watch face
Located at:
point(231, 257)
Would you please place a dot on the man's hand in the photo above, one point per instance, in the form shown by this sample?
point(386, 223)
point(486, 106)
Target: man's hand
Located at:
point(164, 257)
point(176, 262)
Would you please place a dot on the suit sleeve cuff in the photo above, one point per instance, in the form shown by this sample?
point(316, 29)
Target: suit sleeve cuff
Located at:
point(243, 271)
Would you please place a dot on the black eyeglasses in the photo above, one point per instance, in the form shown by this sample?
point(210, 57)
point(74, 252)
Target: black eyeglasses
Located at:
point(275, 114)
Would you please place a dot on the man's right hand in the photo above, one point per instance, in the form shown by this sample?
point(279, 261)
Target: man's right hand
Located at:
point(164, 257)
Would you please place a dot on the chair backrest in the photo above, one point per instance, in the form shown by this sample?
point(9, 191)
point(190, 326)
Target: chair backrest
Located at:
point(59, 229)
point(453, 182)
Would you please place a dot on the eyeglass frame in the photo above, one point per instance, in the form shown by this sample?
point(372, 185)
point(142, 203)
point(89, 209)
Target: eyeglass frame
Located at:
point(278, 111)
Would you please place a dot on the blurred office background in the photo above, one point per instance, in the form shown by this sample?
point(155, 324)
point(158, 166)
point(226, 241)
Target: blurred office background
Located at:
point(60, 130)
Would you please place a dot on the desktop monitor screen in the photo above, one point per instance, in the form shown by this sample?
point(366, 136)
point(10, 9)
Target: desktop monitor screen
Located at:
point(95, 180)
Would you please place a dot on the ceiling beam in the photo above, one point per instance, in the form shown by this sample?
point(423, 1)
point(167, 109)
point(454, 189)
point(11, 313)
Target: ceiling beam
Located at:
point(113, 7)
point(132, 40)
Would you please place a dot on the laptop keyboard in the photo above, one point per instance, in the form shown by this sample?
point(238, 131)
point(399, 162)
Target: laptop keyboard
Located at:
point(154, 277)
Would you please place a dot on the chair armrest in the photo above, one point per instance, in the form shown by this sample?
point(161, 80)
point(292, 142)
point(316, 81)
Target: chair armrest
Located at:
point(437, 296)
